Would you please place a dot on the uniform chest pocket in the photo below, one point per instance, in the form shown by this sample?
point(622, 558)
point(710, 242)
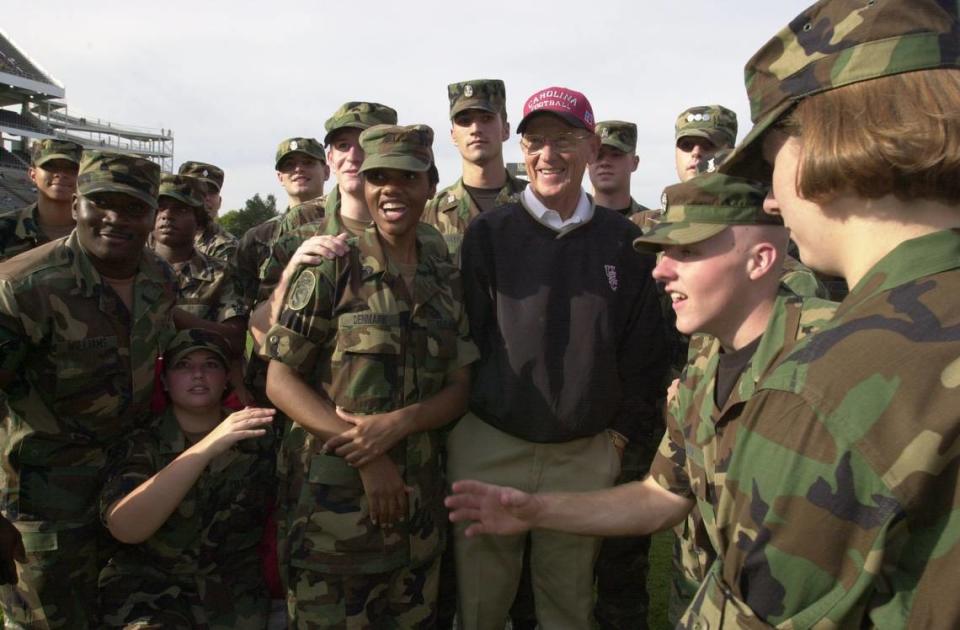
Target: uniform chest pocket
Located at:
point(88, 376)
point(367, 366)
point(436, 350)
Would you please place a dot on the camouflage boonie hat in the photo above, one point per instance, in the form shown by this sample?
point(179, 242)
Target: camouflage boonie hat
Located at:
point(307, 146)
point(405, 148)
point(359, 115)
point(618, 134)
point(703, 207)
point(104, 171)
point(490, 95)
point(835, 43)
point(206, 173)
point(183, 188)
point(716, 123)
point(191, 339)
point(53, 149)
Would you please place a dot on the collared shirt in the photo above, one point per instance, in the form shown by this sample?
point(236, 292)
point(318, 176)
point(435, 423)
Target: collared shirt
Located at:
point(20, 231)
point(551, 218)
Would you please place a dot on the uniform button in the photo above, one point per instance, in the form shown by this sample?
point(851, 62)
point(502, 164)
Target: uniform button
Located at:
point(274, 338)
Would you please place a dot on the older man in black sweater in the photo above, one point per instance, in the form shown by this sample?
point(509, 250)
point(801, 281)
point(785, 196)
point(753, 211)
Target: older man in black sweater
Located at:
point(573, 359)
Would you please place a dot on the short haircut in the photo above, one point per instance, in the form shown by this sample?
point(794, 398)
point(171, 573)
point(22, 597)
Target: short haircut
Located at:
point(898, 135)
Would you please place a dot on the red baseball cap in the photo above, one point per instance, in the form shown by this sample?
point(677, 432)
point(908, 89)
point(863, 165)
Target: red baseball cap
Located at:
point(568, 104)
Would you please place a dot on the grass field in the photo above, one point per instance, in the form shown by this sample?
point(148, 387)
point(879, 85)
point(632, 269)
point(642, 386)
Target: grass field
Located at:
point(658, 580)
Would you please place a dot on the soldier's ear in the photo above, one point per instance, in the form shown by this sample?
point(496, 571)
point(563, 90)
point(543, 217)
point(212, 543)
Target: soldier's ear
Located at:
point(506, 131)
point(74, 206)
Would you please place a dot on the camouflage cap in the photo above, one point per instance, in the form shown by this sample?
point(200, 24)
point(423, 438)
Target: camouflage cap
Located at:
point(359, 115)
point(43, 151)
point(191, 339)
point(703, 207)
point(716, 123)
point(307, 146)
point(183, 188)
point(490, 95)
point(104, 171)
point(405, 148)
point(206, 173)
point(618, 134)
point(835, 43)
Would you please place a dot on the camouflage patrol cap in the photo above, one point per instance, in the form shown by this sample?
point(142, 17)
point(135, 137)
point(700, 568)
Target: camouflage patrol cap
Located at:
point(618, 134)
point(703, 207)
point(206, 173)
point(716, 123)
point(835, 43)
point(359, 115)
point(104, 171)
point(405, 148)
point(490, 95)
point(307, 146)
point(192, 339)
point(54, 149)
point(183, 188)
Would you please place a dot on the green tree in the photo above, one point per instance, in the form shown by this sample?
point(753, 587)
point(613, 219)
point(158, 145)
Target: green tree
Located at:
point(256, 210)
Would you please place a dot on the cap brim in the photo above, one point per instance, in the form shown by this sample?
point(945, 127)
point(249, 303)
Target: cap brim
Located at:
point(567, 118)
point(57, 156)
point(718, 138)
point(348, 125)
point(399, 162)
point(181, 198)
point(473, 105)
point(747, 159)
point(619, 146)
point(321, 158)
point(121, 188)
point(667, 234)
point(209, 348)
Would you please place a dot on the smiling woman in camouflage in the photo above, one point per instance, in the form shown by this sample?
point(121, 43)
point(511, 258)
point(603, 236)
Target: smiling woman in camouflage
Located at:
point(369, 359)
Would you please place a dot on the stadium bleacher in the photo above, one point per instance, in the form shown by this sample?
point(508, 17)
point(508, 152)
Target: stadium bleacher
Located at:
point(12, 119)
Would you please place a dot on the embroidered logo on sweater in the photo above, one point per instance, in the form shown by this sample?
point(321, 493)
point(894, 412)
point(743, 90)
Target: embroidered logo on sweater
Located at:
point(611, 276)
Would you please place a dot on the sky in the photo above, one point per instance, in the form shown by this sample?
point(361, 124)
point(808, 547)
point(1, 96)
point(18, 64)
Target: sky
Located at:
point(234, 78)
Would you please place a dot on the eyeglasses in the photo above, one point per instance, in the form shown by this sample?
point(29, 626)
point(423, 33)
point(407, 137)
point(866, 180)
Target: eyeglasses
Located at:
point(534, 143)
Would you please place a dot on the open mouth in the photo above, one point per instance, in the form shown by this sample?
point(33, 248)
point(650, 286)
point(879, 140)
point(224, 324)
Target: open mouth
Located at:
point(393, 211)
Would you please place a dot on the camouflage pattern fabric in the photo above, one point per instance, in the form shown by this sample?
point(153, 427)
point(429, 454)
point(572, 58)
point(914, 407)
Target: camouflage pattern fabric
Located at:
point(859, 421)
point(307, 146)
point(309, 212)
point(618, 134)
point(359, 115)
point(104, 171)
point(20, 231)
point(399, 599)
point(408, 148)
point(800, 280)
point(694, 411)
point(216, 242)
point(183, 188)
point(202, 568)
point(252, 252)
point(350, 327)
point(42, 151)
point(206, 173)
point(716, 123)
point(83, 369)
point(489, 95)
point(452, 210)
point(208, 289)
point(835, 43)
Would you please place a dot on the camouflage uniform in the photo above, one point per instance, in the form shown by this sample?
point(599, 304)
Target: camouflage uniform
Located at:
point(83, 369)
point(213, 240)
point(836, 489)
point(452, 209)
point(208, 289)
point(20, 229)
point(351, 327)
point(201, 569)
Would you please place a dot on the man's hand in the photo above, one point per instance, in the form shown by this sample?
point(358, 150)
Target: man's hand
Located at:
point(386, 492)
point(11, 548)
point(370, 437)
point(493, 509)
point(313, 250)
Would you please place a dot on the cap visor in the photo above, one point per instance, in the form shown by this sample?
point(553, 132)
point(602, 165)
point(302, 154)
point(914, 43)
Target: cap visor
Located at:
point(57, 156)
point(120, 188)
point(747, 160)
point(181, 198)
point(486, 107)
point(321, 158)
point(399, 162)
point(570, 119)
point(667, 234)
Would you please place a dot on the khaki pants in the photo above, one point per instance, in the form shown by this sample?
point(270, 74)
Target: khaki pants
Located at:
point(488, 567)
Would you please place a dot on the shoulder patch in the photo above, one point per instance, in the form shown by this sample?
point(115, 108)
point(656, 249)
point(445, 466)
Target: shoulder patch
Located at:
point(301, 290)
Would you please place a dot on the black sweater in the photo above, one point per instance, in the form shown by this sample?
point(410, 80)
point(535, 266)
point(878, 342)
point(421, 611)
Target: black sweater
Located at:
point(571, 335)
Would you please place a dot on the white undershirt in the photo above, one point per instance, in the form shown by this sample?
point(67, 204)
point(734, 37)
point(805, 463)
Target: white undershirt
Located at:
point(551, 218)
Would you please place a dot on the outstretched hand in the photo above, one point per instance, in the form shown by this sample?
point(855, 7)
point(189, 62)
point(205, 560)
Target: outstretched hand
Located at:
point(249, 422)
point(492, 509)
